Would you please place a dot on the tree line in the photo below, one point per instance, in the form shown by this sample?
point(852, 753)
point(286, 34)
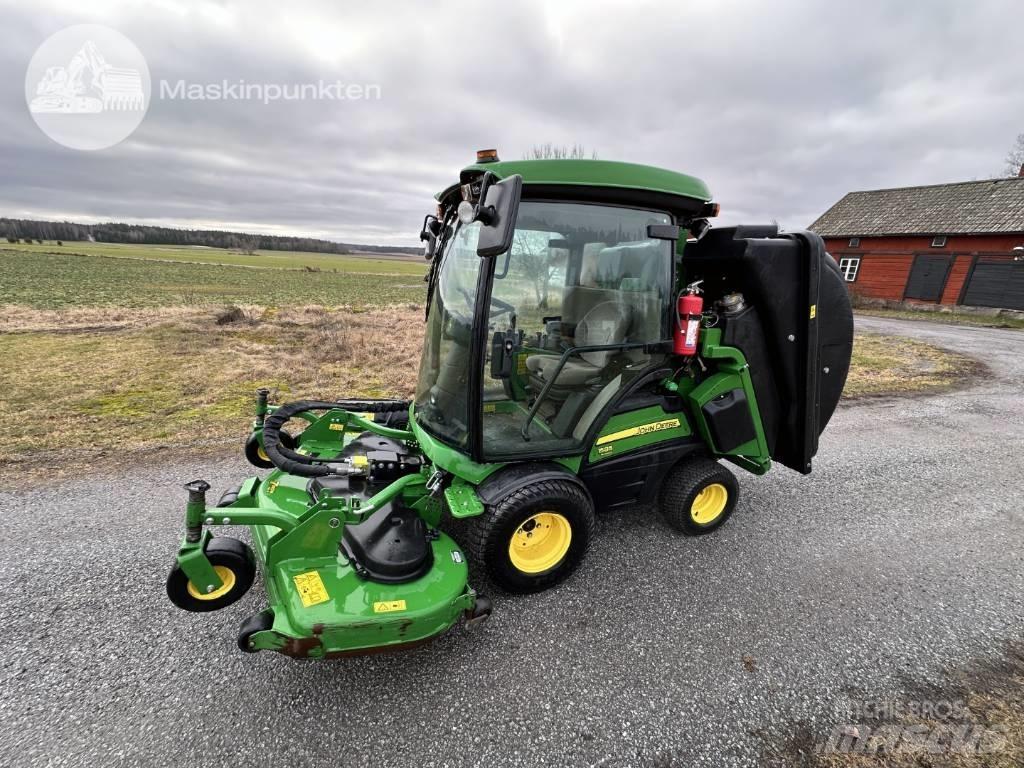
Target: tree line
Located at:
point(13, 230)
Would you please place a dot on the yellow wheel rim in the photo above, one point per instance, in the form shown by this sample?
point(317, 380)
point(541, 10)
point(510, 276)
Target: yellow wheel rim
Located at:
point(540, 543)
point(262, 454)
point(709, 504)
point(227, 577)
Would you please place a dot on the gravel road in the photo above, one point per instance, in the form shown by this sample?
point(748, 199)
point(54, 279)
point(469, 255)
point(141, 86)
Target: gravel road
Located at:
point(901, 553)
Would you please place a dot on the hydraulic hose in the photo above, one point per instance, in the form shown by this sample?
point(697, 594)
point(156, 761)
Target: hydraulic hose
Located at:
point(295, 463)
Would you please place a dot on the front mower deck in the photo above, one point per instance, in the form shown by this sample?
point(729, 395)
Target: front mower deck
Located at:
point(350, 563)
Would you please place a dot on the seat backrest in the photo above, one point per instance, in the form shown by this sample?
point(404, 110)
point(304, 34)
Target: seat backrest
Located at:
point(605, 323)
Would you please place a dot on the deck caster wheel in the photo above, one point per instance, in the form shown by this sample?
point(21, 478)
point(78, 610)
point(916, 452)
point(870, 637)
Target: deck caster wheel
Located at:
point(257, 456)
point(480, 612)
point(258, 622)
point(698, 496)
point(234, 563)
point(534, 537)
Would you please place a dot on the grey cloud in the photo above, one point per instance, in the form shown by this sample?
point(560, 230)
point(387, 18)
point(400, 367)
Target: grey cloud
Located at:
point(781, 108)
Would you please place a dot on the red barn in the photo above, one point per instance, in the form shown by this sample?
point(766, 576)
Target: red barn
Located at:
point(957, 243)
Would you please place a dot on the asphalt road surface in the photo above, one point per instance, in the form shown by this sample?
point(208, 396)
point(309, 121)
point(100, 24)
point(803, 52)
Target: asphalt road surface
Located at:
point(901, 553)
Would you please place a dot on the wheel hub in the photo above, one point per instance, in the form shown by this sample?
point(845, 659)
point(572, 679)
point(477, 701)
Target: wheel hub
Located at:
point(540, 543)
point(709, 504)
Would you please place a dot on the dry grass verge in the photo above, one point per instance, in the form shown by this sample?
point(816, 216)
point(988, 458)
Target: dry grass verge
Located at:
point(86, 386)
point(948, 318)
point(890, 365)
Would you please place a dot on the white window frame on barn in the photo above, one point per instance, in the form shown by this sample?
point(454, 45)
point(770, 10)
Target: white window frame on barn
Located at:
point(849, 266)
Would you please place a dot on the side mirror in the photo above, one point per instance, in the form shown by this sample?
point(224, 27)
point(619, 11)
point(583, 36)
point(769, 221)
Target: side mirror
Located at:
point(428, 234)
point(497, 215)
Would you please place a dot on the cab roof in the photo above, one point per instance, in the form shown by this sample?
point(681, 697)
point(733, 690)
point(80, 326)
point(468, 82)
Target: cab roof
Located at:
point(591, 174)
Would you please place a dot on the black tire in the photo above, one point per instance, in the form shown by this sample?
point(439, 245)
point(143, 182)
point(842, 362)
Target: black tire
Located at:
point(489, 536)
point(223, 552)
point(685, 482)
point(255, 454)
point(258, 622)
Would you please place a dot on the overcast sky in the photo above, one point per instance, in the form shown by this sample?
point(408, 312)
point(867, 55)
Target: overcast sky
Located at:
point(780, 107)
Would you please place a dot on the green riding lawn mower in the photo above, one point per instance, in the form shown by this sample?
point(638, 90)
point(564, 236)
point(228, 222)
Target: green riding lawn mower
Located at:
point(591, 343)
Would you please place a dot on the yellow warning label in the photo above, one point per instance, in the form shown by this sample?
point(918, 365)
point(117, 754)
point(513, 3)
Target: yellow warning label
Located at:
point(334, 425)
point(490, 407)
point(388, 606)
point(643, 429)
point(521, 364)
point(311, 588)
point(604, 450)
point(814, 310)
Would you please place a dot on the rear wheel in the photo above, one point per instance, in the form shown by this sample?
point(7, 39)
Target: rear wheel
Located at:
point(698, 495)
point(534, 537)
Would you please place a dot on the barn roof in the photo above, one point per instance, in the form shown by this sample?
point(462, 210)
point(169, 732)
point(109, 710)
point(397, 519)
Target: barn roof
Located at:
point(966, 207)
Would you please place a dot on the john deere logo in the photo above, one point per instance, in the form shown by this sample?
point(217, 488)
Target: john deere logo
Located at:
point(643, 429)
point(87, 87)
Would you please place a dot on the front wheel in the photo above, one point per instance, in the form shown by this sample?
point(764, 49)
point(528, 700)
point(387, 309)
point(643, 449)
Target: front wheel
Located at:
point(534, 537)
point(698, 495)
point(233, 562)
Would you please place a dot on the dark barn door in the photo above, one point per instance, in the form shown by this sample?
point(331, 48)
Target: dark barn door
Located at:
point(927, 277)
point(996, 284)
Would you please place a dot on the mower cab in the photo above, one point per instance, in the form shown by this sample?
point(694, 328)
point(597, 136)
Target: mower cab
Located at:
point(590, 343)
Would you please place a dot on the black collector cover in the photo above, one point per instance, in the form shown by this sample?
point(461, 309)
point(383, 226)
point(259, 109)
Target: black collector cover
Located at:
point(803, 330)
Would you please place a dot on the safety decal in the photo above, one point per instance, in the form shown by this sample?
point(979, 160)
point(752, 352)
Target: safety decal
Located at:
point(311, 588)
point(388, 606)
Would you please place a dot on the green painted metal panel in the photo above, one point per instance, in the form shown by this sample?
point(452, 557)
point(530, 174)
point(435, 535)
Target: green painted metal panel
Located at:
point(448, 458)
point(596, 173)
point(323, 607)
point(626, 432)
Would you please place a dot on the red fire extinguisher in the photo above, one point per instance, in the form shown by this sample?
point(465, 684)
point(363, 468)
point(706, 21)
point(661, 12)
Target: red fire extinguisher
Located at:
point(689, 307)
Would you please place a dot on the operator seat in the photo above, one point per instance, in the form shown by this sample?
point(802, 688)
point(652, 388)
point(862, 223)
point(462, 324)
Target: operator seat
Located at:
point(606, 323)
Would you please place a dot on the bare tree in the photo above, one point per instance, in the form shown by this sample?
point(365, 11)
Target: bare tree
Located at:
point(549, 151)
point(1015, 157)
point(249, 245)
point(537, 261)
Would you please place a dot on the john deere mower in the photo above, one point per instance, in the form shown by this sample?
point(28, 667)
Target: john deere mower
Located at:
point(591, 343)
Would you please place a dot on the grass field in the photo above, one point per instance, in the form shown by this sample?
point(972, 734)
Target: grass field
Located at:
point(394, 264)
point(48, 280)
point(141, 353)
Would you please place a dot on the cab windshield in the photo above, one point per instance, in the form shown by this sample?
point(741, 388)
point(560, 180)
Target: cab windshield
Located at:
point(572, 305)
point(443, 386)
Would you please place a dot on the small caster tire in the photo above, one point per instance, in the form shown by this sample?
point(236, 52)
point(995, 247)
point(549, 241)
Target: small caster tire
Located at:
point(480, 612)
point(234, 563)
point(257, 456)
point(258, 622)
point(698, 496)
